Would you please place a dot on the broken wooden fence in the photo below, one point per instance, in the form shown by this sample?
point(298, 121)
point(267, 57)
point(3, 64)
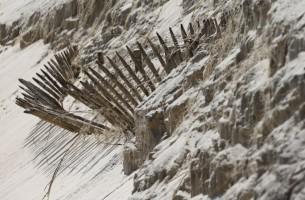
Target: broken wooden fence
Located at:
point(116, 91)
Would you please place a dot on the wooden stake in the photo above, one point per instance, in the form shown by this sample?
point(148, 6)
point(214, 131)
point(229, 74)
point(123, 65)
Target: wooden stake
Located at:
point(149, 63)
point(48, 83)
point(133, 75)
point(124, 78)
point(146, 78)
point(175, 41)
point(112, 89)
point(53, 82)
point(49, 101)
point(53, 71)
point(170, 63)
point(112, 113)
point(114, 80)
point(109, 97)
point(156, 52)
point(184, 34)
point(192, 32)
point(46, 88)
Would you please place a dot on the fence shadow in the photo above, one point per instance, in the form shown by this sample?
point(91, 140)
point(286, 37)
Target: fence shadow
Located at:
point(49, 143)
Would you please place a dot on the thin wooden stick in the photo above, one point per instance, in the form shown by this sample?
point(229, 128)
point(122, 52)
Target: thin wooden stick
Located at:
point(49, 101)
point(183, 33)
point(124, 78)
point(156, 52)
point(112, 89)
point(114, 80)
point(170, 64)
point(111, 98)
point(49, 77)
point(175, 41)
point(191, 29)
point(49, 84)
point(149, 63)
point(46, 88)
point(146, 78)
point(133, 75)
